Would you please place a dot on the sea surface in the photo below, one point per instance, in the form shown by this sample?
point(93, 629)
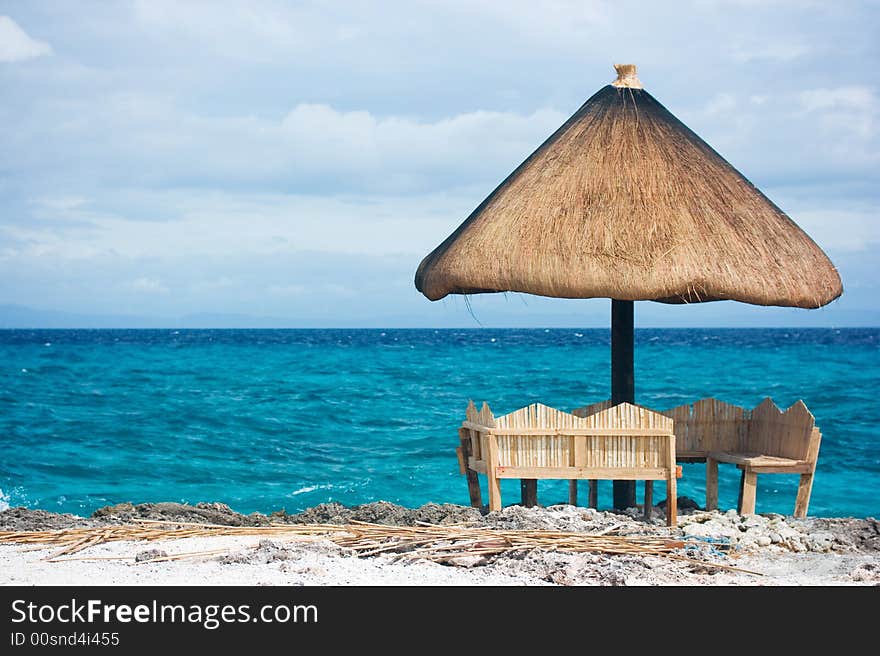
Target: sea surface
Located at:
point(270, 419)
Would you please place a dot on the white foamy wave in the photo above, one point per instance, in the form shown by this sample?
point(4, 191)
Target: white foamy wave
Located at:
point(4, 501)
point(311, 488)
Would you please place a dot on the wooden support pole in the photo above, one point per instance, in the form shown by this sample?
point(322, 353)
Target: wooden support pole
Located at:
point(593, 494)
point(649, 499)
point(473, 481)
point(529, 492)
point(573, 492)
point(622, 382)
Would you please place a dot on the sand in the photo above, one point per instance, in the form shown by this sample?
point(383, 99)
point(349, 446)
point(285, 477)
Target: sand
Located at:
point(785, 551)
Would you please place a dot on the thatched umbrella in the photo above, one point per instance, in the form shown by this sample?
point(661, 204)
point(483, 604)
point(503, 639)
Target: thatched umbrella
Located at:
point(625, 202)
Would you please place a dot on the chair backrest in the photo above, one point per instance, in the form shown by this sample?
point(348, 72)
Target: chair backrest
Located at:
point(786, 434)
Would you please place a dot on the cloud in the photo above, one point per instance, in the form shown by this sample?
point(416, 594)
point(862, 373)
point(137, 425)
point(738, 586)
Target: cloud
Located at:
point(776, 50)
point(147, 286)
point(852, 109)
point(204, 147)
point(16, 45)
point(134, 139)
point(200, 223)
point(840, 230)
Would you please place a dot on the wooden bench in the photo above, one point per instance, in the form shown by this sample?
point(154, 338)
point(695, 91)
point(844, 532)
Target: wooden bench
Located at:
point(538, 442)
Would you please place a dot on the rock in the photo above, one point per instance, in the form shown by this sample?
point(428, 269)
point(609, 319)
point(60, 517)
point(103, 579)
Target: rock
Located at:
point(820, 542)
point(117, 509)
point(149, 554)
point(468, 561)
point(775, 538)
point(764, 541)
point(866, 573)
point(205, 513)
point(712, 529)
point(683, 503)
point(754, 521)
point(383, 512)
point(796, 545)
point(25, 519)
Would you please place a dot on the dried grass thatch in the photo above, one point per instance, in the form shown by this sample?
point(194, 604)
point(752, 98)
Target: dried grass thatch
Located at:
point(624, 201)
point(425, 541)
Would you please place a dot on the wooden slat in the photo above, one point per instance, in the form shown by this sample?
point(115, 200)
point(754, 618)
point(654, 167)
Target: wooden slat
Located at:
point(543, 432)
point(756, 460)
point(621, 473)
point(785, 469)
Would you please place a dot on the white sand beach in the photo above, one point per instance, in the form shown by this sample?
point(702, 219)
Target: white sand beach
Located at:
point(774, 550)
point(251, 561)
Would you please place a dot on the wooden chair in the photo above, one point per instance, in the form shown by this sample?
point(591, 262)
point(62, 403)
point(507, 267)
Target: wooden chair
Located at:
point(775, 442)
point(760, 441)
point(538, 442)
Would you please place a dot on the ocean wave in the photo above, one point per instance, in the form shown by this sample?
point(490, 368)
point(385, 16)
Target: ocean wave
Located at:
point(4, 501)
point(312, 488)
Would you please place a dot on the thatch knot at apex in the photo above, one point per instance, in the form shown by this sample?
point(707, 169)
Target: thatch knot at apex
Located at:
point(626, 77)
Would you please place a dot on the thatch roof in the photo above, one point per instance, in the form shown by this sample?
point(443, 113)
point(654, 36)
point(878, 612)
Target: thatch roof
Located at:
point(624, 201)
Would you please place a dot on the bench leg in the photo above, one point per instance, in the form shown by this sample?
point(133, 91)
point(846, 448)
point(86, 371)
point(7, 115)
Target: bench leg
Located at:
point(593, 500)
point(711, 484)
point(649, 499)
point(671, 500)
point(802, 503)
point(473, 481)
point(494, 490)
point(528, 488)
point(573, 492)
point(491, 471)
point(749, 492)
point(742, 482)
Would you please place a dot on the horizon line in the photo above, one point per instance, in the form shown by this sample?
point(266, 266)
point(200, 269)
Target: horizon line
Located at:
point(7, 328)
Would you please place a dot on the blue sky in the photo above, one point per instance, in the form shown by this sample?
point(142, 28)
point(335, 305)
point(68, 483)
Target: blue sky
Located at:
point(289, 163)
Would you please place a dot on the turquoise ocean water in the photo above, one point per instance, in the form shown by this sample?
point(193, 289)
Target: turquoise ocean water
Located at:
point(269, 419)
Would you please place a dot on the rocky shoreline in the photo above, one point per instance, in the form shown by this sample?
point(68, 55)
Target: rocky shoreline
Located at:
point(782, 549)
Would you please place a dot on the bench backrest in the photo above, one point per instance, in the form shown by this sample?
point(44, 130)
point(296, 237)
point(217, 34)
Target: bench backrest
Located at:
point(540, 436)
point(624, 446)
point(709, 425)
